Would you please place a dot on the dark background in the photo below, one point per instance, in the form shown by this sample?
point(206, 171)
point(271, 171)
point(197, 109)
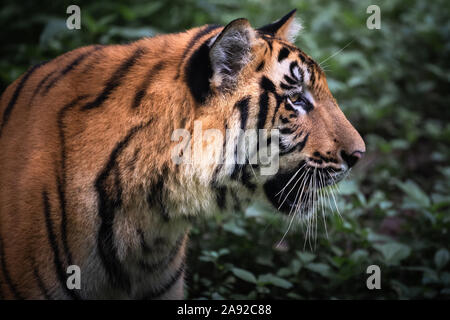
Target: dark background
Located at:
point(392, 83)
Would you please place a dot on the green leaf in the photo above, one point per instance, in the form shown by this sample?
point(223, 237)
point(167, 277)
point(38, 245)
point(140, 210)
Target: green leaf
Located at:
point(348, 187)
point(265, 260)
point(274, 280)
point(430, 277)
point(376, 237)
point(320, 268)
point(441, 258)
point(293, 295)
point(284, 272)
point(217, 296)
point(445, 278)
point(258, 209)
point(244, 275)
point(232, 227)
point(445, 291)
point(305, 257)
point(359, 255)
point(414, 193)
point(393, 252)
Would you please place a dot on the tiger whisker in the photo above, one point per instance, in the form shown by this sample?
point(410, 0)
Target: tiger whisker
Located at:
point(336, 53)
point(290, 180)
point(308, 218)
point(285, 198)
point(322, 200)
point(295, 201)
point(332, 194)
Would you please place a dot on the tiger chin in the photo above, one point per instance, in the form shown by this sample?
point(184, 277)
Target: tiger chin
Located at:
point(87, 142)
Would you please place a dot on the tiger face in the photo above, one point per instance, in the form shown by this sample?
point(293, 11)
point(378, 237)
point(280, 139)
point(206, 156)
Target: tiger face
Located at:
point(276, 86)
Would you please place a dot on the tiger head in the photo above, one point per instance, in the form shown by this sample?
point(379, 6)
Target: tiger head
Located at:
point(260, 80)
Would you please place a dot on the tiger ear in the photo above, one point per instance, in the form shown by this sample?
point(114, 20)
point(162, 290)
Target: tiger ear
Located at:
point(230, 52)
point(285, 28)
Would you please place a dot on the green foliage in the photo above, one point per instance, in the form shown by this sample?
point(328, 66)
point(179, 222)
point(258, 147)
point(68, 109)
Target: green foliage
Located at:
point(392, 84)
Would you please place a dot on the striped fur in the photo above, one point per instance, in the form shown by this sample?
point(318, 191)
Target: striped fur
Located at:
point(87, 176)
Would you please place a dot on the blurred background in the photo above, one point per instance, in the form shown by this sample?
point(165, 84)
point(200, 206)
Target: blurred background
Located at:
point(393, 85)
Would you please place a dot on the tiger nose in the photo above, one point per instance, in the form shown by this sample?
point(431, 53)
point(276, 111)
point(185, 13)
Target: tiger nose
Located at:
point(351, 159)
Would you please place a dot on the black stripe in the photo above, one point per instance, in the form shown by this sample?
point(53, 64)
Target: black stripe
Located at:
point(155, 196)
point(267, 84)
point(302, 56)
point(166, 261)
point(146, 83)
point(286, 130)
point(288, 107)
point(311, 72)
point(237, 203)
point(108, 202)
point(284, 86)
point(263, 109)
point(260, 66)
point(284, 120)
point(223, 153)
point(40, 283)
point(156, 246)
point(132, 163)
point(68, 68)
point(269, 42)
point(115, 80)
point(166, 287)
point(39, 86)
point(273, 27)
point(191, 43)
point(283, 54)
point(242, 106)
point(62, 200)
point(198, 71)
point(15, 96)
point(323, 158)
point(235, 175)
point(305, 104)
point(290, 80)
point(277, 107)
point(55, 247)
point(61, 182)
point(9, 282)
point(221, 194)
point(145, 248)
point(294, 66)
point(245, 178)
point(241, 173)
point(299, 147)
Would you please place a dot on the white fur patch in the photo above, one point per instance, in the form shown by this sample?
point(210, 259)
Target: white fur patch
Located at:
point(297, 74)
point(294, 29)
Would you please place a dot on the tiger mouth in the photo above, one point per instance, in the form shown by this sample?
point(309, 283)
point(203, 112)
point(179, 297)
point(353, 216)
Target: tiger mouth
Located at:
point(292, 191)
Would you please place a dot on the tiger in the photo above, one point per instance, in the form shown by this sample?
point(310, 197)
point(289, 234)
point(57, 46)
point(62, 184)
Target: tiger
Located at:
point(88, 175)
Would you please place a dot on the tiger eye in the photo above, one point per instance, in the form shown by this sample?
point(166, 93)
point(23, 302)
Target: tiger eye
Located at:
point(294, 97)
